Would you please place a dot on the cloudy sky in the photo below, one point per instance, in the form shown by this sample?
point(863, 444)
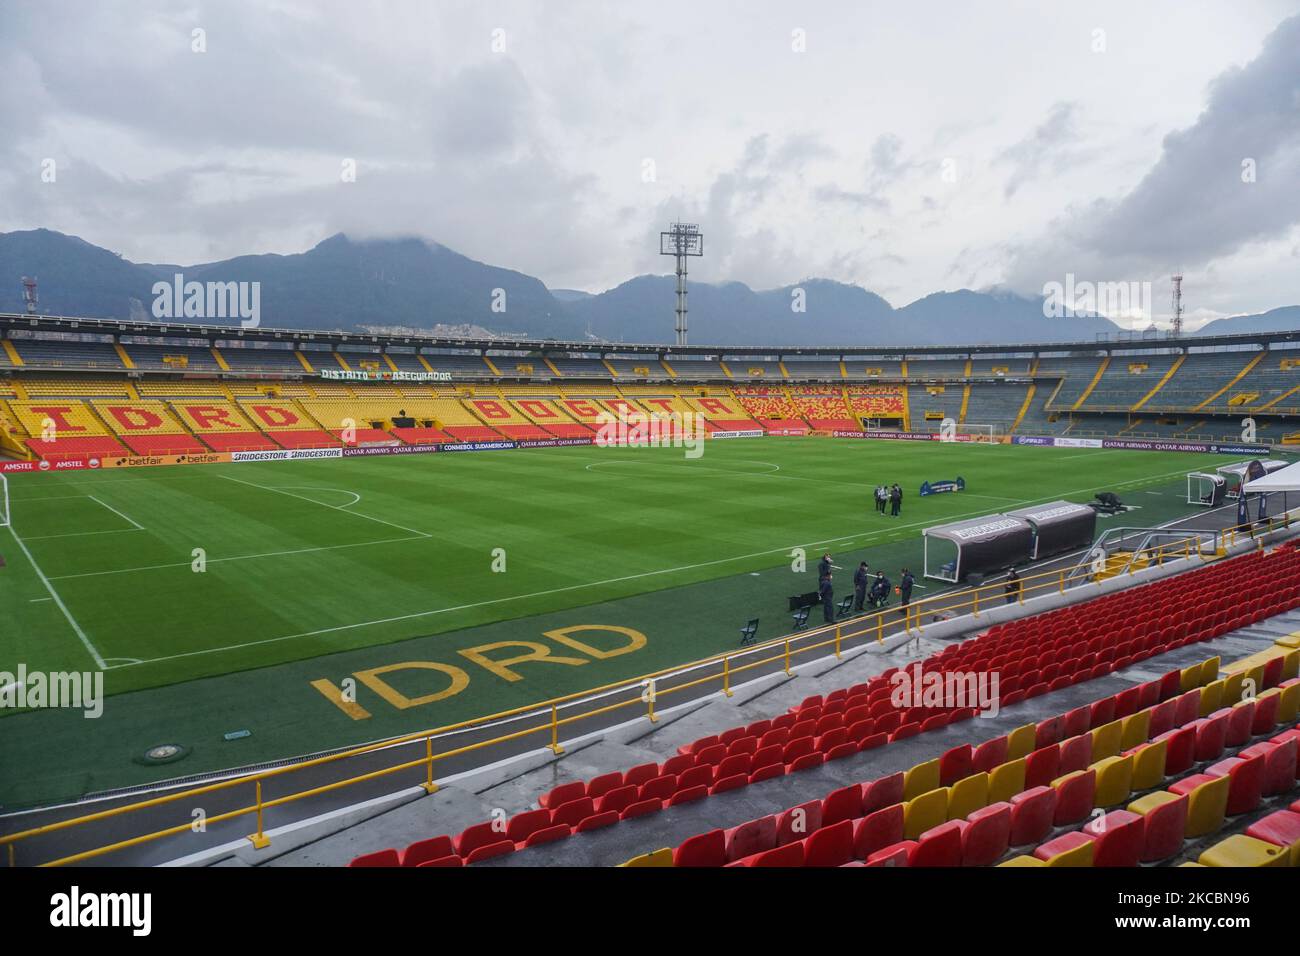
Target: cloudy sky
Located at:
point(906, 147)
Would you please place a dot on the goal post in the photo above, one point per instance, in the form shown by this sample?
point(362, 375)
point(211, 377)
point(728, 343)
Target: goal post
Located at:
point(4, 502)
point(977, 433)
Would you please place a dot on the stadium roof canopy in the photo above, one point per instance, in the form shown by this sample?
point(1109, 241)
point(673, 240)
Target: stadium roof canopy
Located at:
point(14, 322)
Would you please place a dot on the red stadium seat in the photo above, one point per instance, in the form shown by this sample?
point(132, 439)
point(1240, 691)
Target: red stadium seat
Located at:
point(1118, 837)
point(842, 804)
point(423, 851)
point(1031, 815)
point(563, 794)
point(1247, 781)
point(523, 825)
point(500, 848)
point(549, 834)
point(877, 830)
point(388, 857)
point(939, 846)
point(704, 849)
point(750, 838)
point(986, 835)
point(830, 846)
point(798, 822)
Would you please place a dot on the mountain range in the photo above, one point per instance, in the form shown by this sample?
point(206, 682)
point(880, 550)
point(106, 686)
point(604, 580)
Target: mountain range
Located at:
point(344, 284)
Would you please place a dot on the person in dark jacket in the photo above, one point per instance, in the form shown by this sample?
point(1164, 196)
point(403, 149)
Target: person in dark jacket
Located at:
point(828, 598)
point(895, 500)
point(905, 585)
point(1014, 586)
point(860, 580)
point(824, 566)
point(880, 590)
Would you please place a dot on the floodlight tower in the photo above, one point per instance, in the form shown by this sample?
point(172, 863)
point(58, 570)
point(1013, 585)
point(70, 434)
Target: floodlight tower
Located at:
point(30, 297)
point(681, 240)
point(1178, 305)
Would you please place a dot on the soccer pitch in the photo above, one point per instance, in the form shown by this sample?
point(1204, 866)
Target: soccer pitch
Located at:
point(162, 576)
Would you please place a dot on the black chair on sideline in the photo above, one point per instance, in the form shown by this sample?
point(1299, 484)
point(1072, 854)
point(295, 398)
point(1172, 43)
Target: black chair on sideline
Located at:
point(801, 618)
point(749, 633)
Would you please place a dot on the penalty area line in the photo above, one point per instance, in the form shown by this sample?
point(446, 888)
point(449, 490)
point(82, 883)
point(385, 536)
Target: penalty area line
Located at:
point(54, 595)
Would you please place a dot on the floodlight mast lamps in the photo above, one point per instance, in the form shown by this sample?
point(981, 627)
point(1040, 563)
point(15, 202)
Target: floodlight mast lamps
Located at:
point(682, 239)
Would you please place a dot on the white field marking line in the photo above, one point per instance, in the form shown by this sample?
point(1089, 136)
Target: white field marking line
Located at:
point(81, 534)
point(38, 600)
point(340, 491)
point(81, 635)
point(116, 512)
point(355, 514)
point(743, 474)
point(571, 587)
point(50, 498)
point(1089, 454)
point(697, 468)
point(236, 557)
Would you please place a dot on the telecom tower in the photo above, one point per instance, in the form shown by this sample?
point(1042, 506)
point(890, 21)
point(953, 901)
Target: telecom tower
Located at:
point(1178, 305)
point(681, 240)
point(30, 297)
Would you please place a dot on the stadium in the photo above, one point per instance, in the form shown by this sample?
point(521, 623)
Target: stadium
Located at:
point(595, 647)
point(602, 442)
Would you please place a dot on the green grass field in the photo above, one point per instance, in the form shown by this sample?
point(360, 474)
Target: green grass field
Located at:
point(318, 569)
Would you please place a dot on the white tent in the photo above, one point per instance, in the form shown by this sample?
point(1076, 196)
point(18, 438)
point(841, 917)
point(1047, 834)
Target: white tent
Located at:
point(1284, 479)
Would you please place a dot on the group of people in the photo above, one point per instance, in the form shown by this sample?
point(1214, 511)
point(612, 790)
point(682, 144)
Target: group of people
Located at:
point(868, 591)
point(891, 496)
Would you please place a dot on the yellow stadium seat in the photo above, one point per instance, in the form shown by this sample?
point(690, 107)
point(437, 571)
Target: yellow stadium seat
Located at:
point(1289, 707)
point(1233, 682)
point(1106, 740)
point(1211, 697)
point(1190, 678)
point(1291, 665)
point(1149, 765)
point(1020, 742)
point(1080, 855)
point(968, 795)
point(1244, 851)
point(1135, 730)
point(1210, 670)
point(1206, 806)
point(922, 778)
point(1023, 860)
point(1290, 640)
point(1114, 781)
point(662, 857)
point(925, 812)
point(1006, 780)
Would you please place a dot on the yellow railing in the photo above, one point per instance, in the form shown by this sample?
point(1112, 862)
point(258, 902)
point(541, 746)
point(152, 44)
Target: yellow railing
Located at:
point(642, 694)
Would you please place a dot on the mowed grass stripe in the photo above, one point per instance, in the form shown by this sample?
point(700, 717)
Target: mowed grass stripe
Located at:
point(572, 535)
